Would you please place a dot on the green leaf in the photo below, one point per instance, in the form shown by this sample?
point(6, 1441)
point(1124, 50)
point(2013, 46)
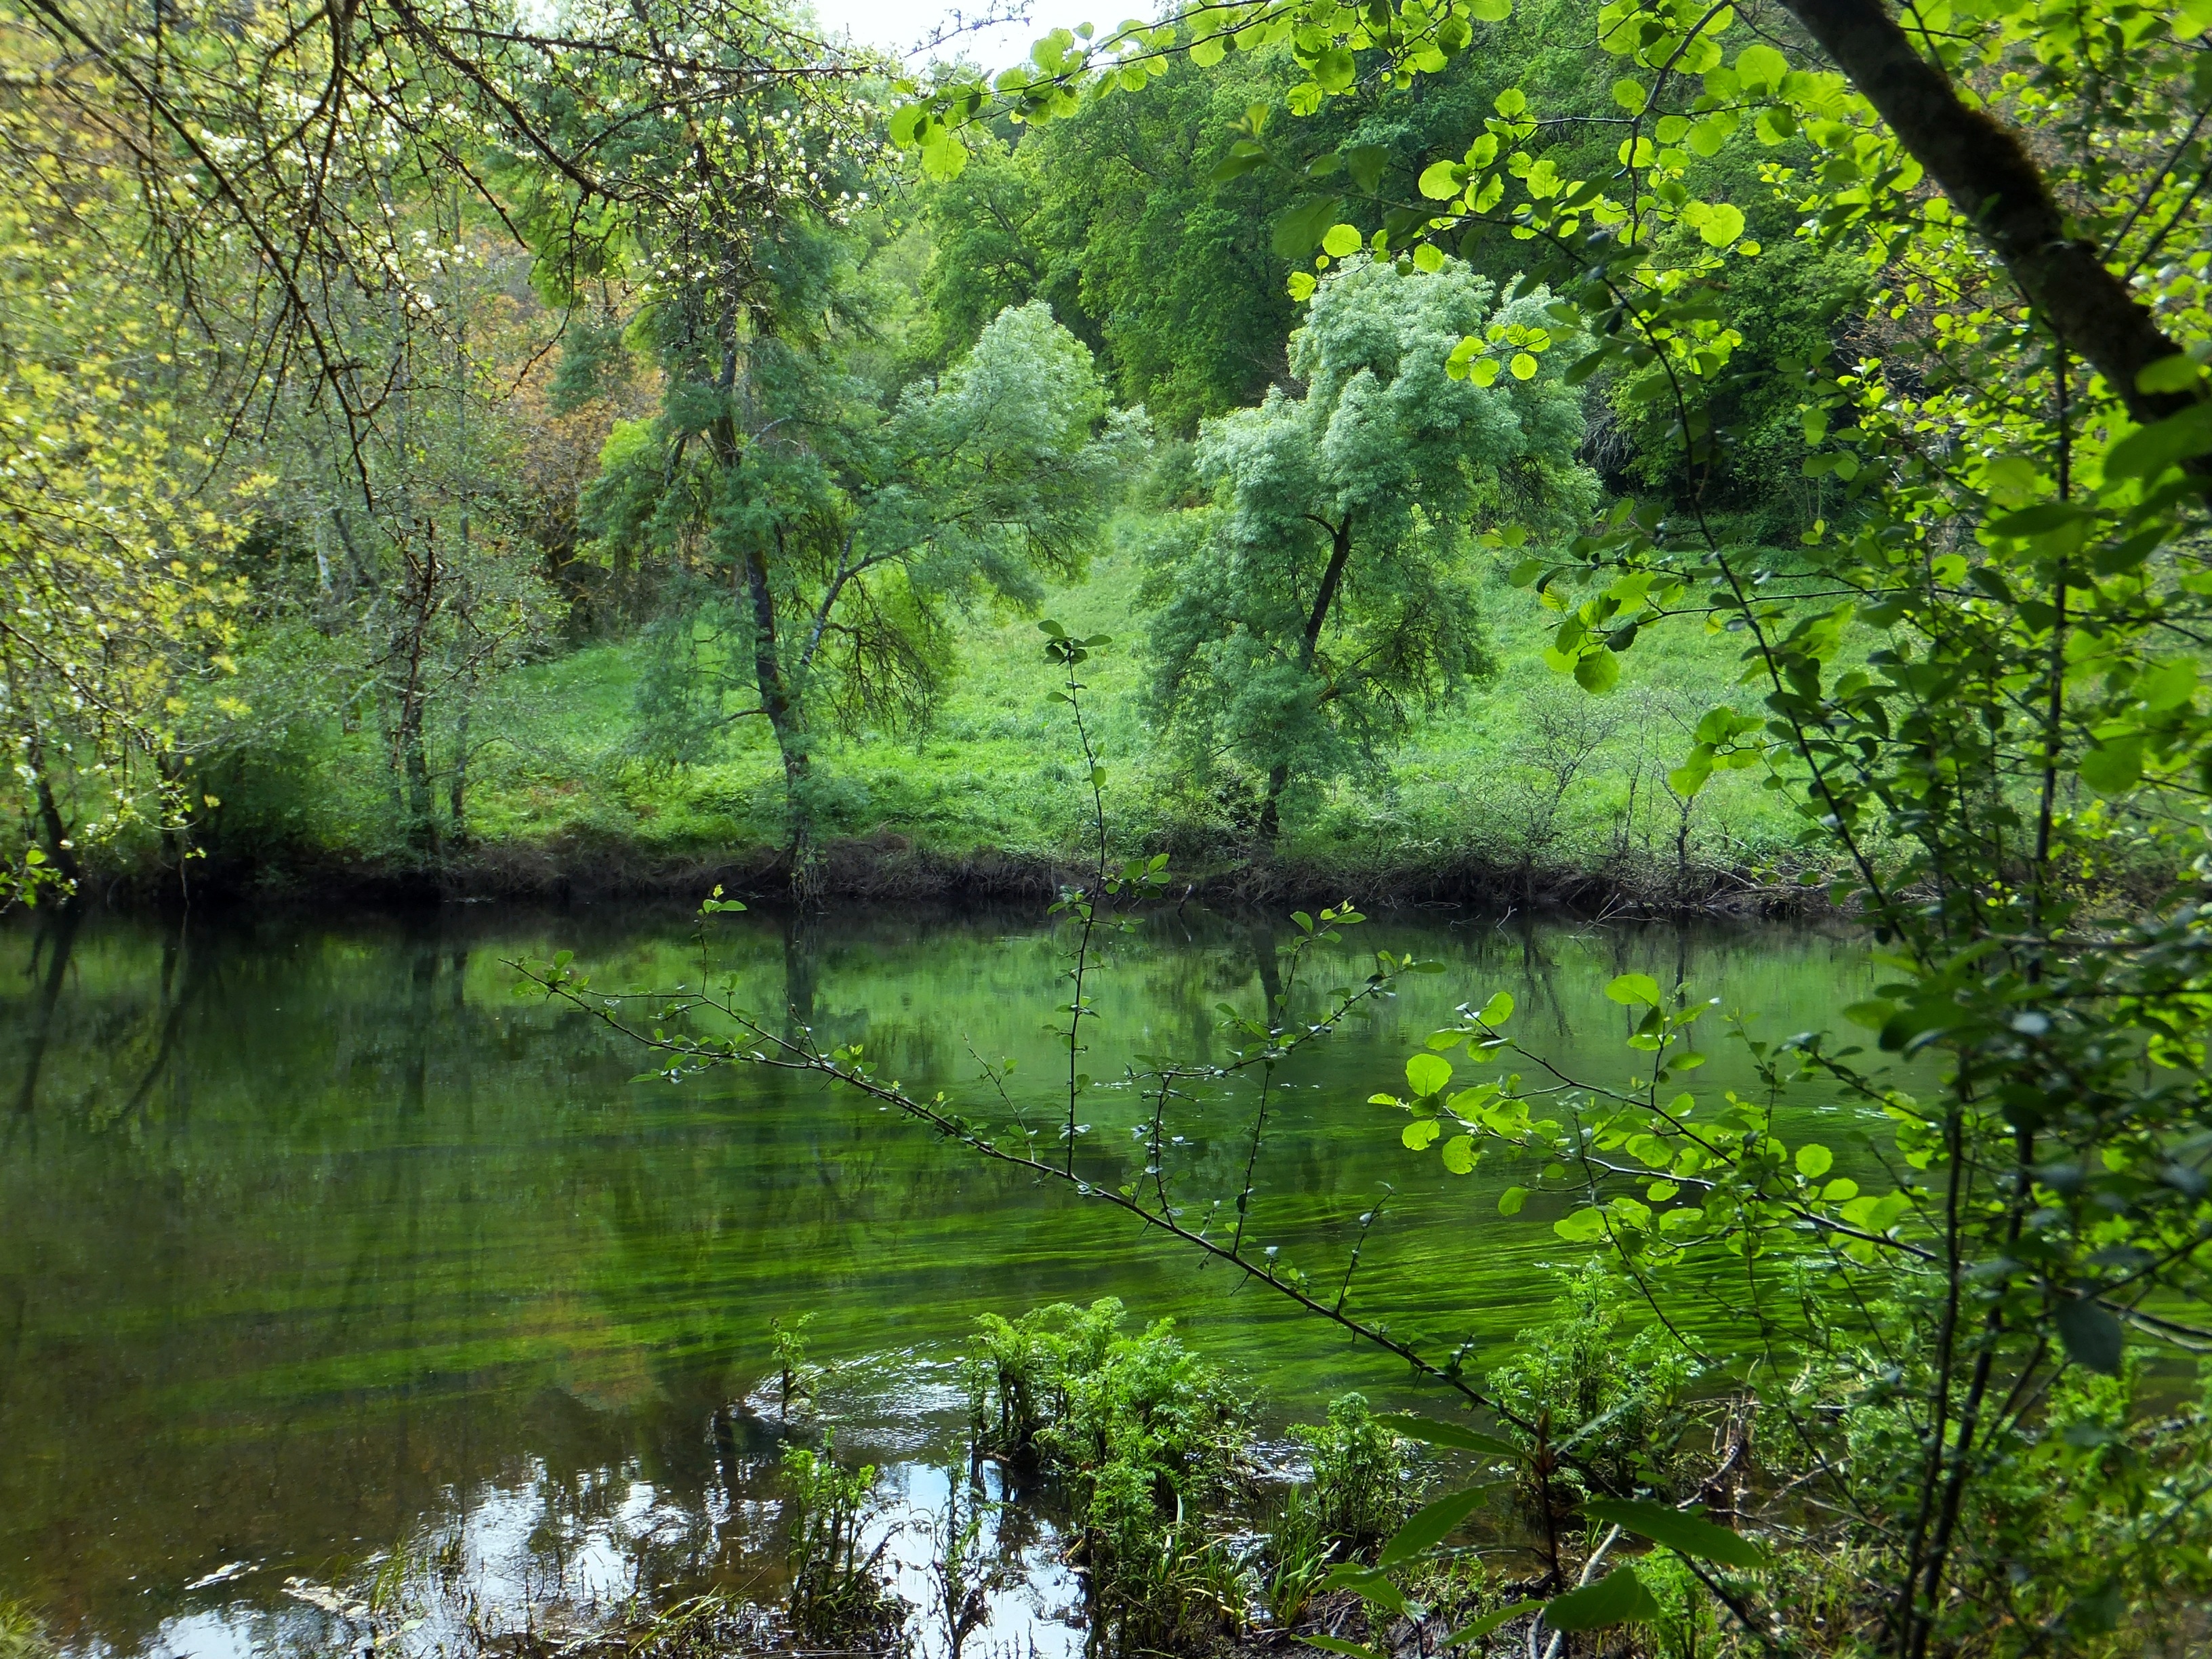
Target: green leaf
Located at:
point(1497, 1010)
point(2039, 521)
point(1441, 180)
point(2174, 373)
point(2113, 769)
point(1618, 1598)
point(1510, 1201)
point(1340, 240)
point(2090, 1335)
point(1368, 1584)
point(1581, 1226)
point(1337, 1645)
point(1489, 1622)
point(1426, 1074)
point(2150, 450)
point(1721, 225)
point(1334, 70)
point(1298, 231)
point(1629, 989)
point(1243, 156)
point(1459, 1155)
point(1871, 1015)
point(1685, 1535)
point(1420, 1134)
point(2168, 685)
point(1430, 1433)
point(1492, 11)
point(1430, 1525)
point(1365, 162)
point(1814, 1162)
point(1598, 672)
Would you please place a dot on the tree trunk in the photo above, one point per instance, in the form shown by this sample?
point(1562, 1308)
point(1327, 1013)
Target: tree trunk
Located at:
point(1332, 578)
point(60, 855)
point(1987, 172)
point(415, 762)
point(785, 719)
point(460, 781)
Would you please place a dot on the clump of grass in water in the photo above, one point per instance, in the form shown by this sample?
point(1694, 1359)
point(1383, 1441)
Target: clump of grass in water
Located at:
point(837, 1594)
point(1361, 1490)
point(1145, 1436)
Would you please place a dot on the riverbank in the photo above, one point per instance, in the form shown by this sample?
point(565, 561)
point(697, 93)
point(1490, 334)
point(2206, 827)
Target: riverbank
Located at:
point(890, 867)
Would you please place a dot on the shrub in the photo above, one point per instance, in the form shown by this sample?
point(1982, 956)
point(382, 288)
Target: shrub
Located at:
point(1361, 1492)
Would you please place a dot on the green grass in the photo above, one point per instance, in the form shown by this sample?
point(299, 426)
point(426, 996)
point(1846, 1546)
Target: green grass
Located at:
point(559, 761)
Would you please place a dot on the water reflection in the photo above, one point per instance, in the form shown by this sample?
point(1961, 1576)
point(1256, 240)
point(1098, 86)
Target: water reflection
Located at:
point(316, 1243)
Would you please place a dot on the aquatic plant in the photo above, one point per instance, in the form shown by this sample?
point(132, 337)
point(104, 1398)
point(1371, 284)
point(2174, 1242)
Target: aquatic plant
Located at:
point(797, 1378)
point(1362, 1491)
point(22, 1633)
point(837, 1588)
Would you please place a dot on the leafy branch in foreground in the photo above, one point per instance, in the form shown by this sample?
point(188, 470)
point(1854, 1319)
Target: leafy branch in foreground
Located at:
point(656, 1021)
point(1582, 1600)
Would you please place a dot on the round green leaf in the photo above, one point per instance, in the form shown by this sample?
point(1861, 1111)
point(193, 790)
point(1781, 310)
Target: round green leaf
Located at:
point(1427, 1073)
point(1629, 990)
point(1722, 224)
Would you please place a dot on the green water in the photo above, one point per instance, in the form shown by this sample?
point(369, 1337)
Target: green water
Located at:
point(315, 1239)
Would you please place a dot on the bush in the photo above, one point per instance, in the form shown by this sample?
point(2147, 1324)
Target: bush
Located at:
point(1142, 1431)
point(1611, 1395)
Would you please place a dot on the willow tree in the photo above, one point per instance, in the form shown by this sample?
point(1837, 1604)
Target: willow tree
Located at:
point(1332, 584)
point(842, 527)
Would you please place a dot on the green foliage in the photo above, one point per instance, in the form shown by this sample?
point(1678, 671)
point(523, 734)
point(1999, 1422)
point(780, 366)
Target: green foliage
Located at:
point(1330, 582)
point(1143, 1431)
point(796, 1377)
point(837, 528)
point(837, 1592)
point(22, 1635)
point(1612, 1389)
point(1360, 1490)
point(1063, 1387)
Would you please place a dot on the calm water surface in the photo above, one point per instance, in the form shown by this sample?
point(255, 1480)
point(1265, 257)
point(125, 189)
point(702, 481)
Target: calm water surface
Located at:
point(317, 1244)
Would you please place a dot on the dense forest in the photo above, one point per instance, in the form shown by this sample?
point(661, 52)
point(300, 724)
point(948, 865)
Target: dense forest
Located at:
point(1670, 456)
point(436, 550)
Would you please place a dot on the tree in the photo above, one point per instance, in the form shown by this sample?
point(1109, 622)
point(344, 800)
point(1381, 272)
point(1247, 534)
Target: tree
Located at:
point(1979, 684)
point(845, 530)
point(1332, 581)
point(116, 601)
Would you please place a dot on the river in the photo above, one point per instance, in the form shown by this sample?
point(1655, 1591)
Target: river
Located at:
point(318, 1245)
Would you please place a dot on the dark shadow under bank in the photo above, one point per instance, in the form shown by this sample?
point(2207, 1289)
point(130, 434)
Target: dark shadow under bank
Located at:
point(890, 868)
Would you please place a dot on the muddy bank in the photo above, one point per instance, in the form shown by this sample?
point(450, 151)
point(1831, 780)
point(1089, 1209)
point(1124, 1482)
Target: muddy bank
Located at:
point(887, 867)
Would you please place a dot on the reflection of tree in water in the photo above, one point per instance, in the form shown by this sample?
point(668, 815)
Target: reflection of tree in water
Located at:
point(313, 1228)
point(48, 969)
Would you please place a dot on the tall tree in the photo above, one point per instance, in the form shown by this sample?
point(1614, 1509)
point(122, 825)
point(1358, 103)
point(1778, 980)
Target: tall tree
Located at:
point(1332, 581)
point(846, 524)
